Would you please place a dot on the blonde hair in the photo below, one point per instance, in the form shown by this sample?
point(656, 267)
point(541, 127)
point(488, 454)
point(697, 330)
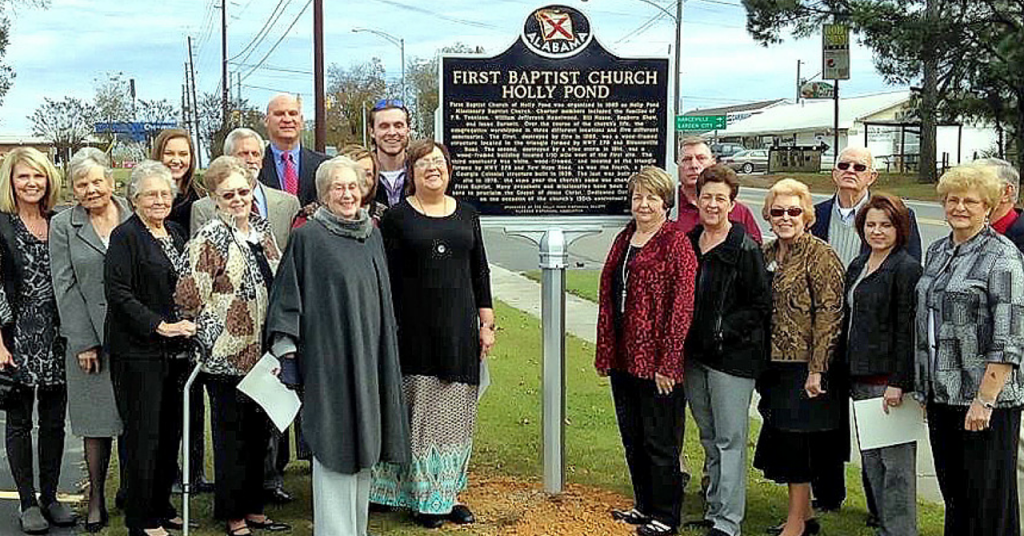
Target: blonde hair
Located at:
point(656, 181)
point(972, 177)
point(223, 167)
point(37, 161)
point(790, 187)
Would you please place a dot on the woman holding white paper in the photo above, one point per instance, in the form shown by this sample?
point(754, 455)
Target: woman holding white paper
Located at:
point(879, 349)
point(225, 289)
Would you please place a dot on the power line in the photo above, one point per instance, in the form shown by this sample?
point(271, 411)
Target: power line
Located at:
point(275, 15)
point(457, 20)
point(641, 29)
point(285, 34)
point(270, 68)
point(276, 90)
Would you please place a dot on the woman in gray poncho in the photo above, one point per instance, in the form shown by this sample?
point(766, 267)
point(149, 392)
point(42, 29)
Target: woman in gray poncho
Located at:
point(332, 323)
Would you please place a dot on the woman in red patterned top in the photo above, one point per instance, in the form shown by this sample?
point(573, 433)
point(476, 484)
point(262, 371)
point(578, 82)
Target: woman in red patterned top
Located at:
point(646, 307)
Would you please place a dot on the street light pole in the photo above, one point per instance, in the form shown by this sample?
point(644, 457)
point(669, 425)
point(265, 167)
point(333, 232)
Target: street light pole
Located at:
point(398, 42)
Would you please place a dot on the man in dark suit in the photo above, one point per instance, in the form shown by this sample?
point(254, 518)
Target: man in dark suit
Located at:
point(287, 165)
point(389, 130)
point(853, 174)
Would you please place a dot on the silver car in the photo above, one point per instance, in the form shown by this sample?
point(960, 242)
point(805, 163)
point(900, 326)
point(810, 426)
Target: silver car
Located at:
point(748, 161)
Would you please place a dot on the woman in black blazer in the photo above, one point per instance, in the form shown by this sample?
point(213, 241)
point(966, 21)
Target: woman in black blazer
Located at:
point(879, 349)
point(148, 346)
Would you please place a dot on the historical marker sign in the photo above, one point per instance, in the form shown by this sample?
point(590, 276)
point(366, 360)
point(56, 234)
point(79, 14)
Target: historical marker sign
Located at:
point(554, 125)
point(700, 123)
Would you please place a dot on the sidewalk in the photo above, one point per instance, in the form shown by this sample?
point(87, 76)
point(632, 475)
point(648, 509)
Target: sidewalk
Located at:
point(581, 321)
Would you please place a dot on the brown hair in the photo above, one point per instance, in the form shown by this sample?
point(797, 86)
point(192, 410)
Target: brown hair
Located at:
point(894, 209)
point(656, 181)
point(223, 167)
point(158, 153)
point(720, 173)
point(417, 150)
point(357, 152)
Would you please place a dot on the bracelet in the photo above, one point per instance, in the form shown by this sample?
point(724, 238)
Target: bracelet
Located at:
point(987, 405)
point(488, 325)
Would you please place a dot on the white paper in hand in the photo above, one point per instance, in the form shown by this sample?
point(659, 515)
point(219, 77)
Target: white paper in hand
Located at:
point(266, 389)
point(876, 429)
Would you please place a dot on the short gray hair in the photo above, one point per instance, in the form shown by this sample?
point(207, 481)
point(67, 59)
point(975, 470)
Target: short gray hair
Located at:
point(150, 169)
point(85, 160)
point(239, 134)
point(1005, 171)
point(325, 174)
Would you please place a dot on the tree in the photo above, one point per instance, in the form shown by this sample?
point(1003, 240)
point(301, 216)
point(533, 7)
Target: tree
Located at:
point(349, 91)
point(113, 99)
point(66, 124)
point(967, 55)
point(6, 72)
point(211, 124)
point(154, 112)
point(423, 79)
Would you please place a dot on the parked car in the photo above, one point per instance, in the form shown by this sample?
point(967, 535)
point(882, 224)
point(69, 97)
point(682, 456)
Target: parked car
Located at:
point(722, 150)
point(748, 161)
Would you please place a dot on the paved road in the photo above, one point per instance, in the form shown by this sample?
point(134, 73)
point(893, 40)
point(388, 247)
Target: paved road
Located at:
point(518, 254)
point(71, 473)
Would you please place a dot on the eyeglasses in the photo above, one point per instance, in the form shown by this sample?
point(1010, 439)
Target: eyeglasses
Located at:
point(389, 103)
point(427, 163)
point(856, 167)
point(793, 212)
point(230, 194)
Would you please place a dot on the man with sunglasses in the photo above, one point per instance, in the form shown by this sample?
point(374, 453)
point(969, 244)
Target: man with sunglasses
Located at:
point(853, 175)
point(287, 165)
point(389, 130)
point(694, 157)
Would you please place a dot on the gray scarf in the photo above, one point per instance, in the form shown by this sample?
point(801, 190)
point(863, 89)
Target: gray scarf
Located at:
point(359, 228)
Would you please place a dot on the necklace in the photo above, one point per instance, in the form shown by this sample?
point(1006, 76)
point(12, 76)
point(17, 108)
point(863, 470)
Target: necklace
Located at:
point(423, 209)
point(625, 278)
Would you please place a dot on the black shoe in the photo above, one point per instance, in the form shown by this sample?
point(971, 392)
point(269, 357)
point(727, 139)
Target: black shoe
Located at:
point(631, 516)
point(268, 524)
point(380, 508)
point(93, 527)
point(429, 521)
point(826, 507)
point(655, 528)
point(201, 485)
point(716, 532)
point(120, 498)
point(699, 524)
point(872, 521)
point(811, 526)
point(461, 515)
point(278, 496)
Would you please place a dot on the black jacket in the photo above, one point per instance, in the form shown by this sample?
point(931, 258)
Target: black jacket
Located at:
point(880, 339)
point(308, 162)
point(823, 218)
point(732, 306)
point(139, 282)
point(1016, 231)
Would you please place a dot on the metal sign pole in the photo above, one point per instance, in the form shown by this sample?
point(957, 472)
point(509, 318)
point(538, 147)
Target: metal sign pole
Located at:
point(554, 249)
point(185, 484)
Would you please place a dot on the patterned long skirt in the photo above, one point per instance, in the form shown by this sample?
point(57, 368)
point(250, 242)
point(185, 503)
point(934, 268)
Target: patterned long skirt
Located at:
point(442, 416)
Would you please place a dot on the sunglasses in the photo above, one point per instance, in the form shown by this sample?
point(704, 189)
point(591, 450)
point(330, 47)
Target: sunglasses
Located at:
point(856, 167)
point(229, 195)
point(793, 212)
point(388, 103)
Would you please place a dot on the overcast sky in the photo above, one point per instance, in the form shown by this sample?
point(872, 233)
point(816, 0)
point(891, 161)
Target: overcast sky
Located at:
point(63, 50)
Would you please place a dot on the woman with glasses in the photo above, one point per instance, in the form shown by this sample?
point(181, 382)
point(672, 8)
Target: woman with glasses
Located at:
point(224, 289)
point(148, 342)
point(797, 403)
point(646, 306)
point(970, 308)
point(442, 294)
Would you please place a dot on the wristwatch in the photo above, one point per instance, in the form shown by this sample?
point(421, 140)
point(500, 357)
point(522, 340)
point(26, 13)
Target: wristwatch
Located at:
point(985, 404)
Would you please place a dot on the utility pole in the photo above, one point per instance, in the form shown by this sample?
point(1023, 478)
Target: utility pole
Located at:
point(225, 83)
point(195, 104)
point(798, 62)
point(184, 99)
point(679, 45)
point(320, 113)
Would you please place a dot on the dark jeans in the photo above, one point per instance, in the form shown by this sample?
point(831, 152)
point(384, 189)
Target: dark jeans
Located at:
point(53, 403)
point(651, 426)
point(976, 471)
point(149, 397)
point(240, 436)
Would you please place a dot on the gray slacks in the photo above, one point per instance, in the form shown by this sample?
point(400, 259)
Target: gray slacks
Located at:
point(892, 475)
point(720, 404)
point(341, 503)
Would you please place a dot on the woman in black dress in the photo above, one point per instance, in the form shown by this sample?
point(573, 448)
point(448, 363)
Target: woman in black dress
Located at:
point(31, 350)
point(442, 295)
point(147, 342)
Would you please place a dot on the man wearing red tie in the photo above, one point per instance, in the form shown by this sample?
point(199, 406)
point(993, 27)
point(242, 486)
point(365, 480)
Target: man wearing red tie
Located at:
point(286, 164)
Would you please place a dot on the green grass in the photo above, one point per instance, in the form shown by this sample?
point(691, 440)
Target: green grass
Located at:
point(903, 185)
point(582, 283)
point(508, 440)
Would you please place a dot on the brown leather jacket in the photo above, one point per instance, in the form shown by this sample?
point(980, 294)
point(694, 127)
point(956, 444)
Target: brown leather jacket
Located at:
point(807, 302)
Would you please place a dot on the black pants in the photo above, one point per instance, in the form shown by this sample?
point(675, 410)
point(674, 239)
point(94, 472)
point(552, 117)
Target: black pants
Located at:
point(651, 426)
point(53, 403)
point(977, 471)
point(149, 397)
point(829, 482)
point(240, 435)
